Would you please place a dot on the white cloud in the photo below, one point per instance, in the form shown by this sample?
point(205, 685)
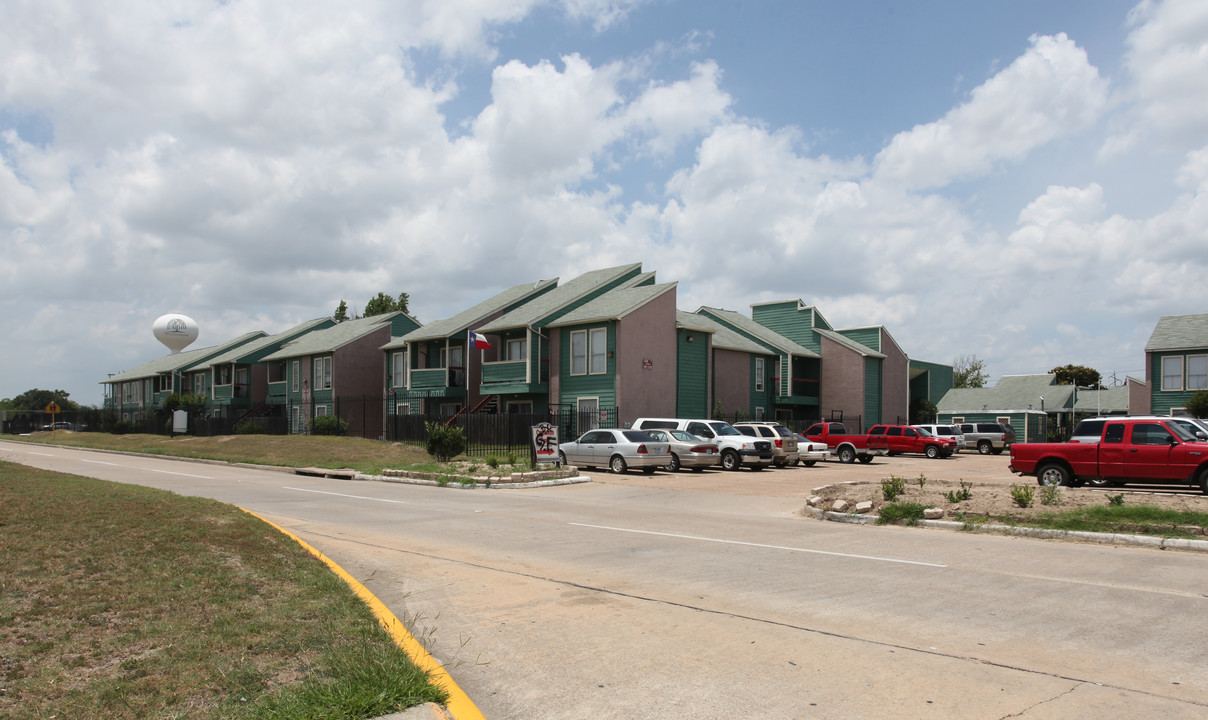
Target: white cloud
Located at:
point(1050, 91)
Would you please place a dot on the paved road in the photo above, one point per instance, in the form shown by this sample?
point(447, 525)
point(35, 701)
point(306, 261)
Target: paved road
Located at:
point(692, 596)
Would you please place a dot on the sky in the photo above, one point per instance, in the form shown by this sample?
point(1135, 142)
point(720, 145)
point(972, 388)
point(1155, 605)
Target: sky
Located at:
point(1021, 181)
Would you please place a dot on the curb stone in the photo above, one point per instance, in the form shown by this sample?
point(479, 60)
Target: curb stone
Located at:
point(1041, 533)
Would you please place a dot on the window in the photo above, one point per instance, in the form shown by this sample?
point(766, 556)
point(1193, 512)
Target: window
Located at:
point(1114, 434)
point(1172, 373)
point(598, 349)
point(296, 374)
point(759, 373)
point(322, 374)
point(222, 375)
point(516, 349)
point(402, 408)
point(759, 413)
point(578, 352)
point(1197, 372)
point(1150, 434)
point(199, 384)
point(320, 410)
point(165, 382)
point(398, 373)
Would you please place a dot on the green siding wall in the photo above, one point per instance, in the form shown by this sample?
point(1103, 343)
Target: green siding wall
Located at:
point(692, 374)
point(1163, 401)
point(872, 391)
point(787, 320)
point(603, 386)
point(868, 337)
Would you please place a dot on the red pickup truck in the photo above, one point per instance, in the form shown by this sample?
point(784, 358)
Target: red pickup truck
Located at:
point(848, 448)
point(906, 439)
point(1128, 450)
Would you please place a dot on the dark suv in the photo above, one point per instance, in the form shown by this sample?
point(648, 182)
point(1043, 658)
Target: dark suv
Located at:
point(987, 437)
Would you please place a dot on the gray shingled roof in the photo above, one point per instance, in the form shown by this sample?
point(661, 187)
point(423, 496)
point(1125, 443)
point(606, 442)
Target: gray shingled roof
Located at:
point(613, 305)
point(332, 338)
point(235, 355)
point(761, 333)
point(1179, 332)
point(723, 337)
point(1106, 401)
point(1011, 393)
point(178, 361)
point(532, 313)
point(468, 319)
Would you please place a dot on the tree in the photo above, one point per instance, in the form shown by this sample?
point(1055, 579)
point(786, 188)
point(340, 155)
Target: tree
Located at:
point(36, 401)
point(1079, 375)
point(969, 372)
point(383, 304)
point(1197, 404)
point(341, 313)
point(922, 410)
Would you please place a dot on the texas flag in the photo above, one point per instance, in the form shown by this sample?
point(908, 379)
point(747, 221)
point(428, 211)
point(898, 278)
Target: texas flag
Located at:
point(479, 342)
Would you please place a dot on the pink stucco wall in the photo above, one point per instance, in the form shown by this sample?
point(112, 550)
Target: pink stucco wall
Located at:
point(646, 360)
point(895, 382)
point(731, 380)
point(842, 383)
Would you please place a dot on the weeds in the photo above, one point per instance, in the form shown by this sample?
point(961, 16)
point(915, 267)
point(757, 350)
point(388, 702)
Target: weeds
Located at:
point(955, 496)
point(907, 513)
point(893, 488)
point(1116, 500)
point(1022, 495)
point(921, 480)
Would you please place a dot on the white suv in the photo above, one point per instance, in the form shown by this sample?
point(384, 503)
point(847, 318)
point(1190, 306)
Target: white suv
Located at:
point(737, 450)
point(946, 431)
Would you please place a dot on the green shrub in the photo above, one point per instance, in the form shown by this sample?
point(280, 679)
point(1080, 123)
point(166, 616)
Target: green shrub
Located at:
point(1049, 495)
point(921, 480)
point(892, 488)
point(511, 458)
point(1115, 500)
point(445, 442)
point(251, 427)
point(908, 513)
point(955, 496)
point(1022, 495)
point(123, 427)
point(493, 462)
point(329, 425)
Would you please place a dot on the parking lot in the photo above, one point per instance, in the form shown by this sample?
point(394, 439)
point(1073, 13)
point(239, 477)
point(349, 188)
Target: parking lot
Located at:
point(800, 481)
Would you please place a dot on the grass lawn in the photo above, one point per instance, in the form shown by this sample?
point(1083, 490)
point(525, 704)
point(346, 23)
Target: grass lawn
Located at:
point(120, 601)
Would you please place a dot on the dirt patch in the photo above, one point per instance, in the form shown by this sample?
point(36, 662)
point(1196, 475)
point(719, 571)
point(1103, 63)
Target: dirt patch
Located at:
point(996, 500)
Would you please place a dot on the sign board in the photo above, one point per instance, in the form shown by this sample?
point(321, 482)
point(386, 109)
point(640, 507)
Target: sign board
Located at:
point(53, 408)
point(545, 443)
point(180, 421)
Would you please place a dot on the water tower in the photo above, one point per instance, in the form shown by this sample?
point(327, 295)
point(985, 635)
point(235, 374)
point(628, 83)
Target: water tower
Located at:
point(175, 331)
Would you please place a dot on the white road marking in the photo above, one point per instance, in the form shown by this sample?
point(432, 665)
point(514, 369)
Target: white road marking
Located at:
point(169, 472)
point(98, 462)
point(760, 545)
point(356, 497)
point(28, 452)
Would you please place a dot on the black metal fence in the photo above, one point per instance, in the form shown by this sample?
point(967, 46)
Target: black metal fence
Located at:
point(500, 433)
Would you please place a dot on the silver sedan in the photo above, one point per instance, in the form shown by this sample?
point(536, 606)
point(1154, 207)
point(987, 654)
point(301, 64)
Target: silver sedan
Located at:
point(687, 450)
point(618, 450)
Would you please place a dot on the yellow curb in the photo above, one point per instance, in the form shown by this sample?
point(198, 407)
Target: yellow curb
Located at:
point(459, 704)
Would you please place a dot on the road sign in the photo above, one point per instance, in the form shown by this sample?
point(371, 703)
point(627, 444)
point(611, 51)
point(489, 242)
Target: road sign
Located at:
point(52, 408)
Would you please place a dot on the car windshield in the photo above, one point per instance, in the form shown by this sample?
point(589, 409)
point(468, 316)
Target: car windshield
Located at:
point(782, 431)
point(684, 436)
point(1180, 432)
point(924, 432)
point(637, 436)
point(723, 429)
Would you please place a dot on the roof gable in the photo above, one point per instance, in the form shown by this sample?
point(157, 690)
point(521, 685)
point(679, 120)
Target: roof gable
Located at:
point(465, 320)
point(1179, 332)
point(557, 302)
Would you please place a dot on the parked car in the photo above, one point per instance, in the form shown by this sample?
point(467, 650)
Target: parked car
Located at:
point(1129, 450)
point(784, 441)
point(848, 448)
point(987, 437)
point(946, 431)
point(905, 439)
point(617, 450)
point(737, 450)
point(687, 450)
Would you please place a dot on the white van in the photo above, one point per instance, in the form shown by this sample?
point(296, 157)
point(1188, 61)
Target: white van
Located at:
point(737, 450)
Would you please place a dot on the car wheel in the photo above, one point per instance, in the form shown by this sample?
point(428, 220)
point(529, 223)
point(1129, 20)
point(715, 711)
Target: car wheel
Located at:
point(696, 469)
point(731, 461)
point(674, 465)
point(1204, 481)
point(648, 470)
point(758, 466)
point(1052, 475)
point(1100, 482)
point(932, 452)
point(998, 451)
point(617, 464)
point(847, 455)
point(796, 462)
point(866, 459)
point(985, 447)
point(809, 463)
point(562, 458)
point(780, 462)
